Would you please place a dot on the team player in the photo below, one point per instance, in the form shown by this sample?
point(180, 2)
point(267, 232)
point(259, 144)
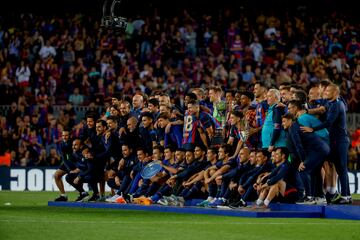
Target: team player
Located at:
point(261, 108)
point(173, 136)
point(238, 166)
point(194, 185)
point(77, 156)
point(194, 130)
point(221, 184)
point(66, 166)
point(122, 179)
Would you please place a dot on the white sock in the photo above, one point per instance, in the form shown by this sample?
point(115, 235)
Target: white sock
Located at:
point(63, 195)
point(259, 202)
point(331, 190)
point(266, 202)
point(210, 199)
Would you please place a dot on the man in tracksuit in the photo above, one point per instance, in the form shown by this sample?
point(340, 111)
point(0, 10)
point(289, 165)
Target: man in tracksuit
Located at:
point(311, 150)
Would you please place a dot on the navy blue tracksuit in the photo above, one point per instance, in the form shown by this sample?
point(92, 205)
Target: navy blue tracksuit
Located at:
point(66, 156)
point(311, 150)
point(86, 174)
point(249, 178)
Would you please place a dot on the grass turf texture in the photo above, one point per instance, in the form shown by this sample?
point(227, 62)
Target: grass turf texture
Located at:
point(29, 217)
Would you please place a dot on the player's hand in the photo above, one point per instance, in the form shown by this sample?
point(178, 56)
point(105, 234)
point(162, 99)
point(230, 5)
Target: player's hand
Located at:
point(186, 184)
point(76, 180)
point(107, 135)
point(264, 186)
point(117, 181)
point(271, 148)
point(306, 129)
point(232, 185)
point(122, 131)
point(167, 128)
point(301, 167)
point(241, 190)
point(280, 104)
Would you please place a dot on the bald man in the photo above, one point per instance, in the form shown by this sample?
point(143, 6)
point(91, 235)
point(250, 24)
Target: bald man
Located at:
point(138, 104)
point(339, 140)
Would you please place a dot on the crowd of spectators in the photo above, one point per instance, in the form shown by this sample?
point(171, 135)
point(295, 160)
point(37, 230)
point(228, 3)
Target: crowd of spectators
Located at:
point(70, 60)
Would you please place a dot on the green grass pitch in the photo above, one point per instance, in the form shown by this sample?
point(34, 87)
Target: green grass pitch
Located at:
point(28, 217)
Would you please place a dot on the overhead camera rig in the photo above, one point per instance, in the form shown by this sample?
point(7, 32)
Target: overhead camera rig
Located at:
point(110, 20)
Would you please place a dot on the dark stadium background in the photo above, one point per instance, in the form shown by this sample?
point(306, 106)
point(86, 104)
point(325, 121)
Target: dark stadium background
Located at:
point(142, 6)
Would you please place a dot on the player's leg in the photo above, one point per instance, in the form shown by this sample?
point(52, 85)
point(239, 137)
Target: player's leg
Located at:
point(59, 183)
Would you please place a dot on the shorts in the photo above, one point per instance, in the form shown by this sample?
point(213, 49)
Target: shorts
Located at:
point(64, 168)
point(290, 196)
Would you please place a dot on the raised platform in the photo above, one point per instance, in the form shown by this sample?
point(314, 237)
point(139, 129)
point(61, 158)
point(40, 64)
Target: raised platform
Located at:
point(275, 211)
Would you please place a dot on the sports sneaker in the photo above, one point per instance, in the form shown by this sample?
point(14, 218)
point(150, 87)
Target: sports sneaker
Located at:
point(82, 197)
point(172, 200)
point(240, 203)
point(217, 202)
point(336, 199)
point(94, 198)
point(101, 199)
point(320, 201)
point(307, 201)
point(61, 199)
point(342, 201)
point(120, 200)
point(329, 197)
point(181, 201)
point(203, 203)
point(259, 206)
point(163, 201)
point(112, 199)
point(177, 201)
point(129, 198)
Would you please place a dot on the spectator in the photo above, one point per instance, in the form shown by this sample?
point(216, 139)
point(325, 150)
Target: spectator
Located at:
point(23, 75)
point(47, 51)
point(53, 159)
point(76, 98)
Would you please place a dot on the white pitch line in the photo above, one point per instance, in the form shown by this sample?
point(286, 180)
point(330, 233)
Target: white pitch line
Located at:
point(169, 222)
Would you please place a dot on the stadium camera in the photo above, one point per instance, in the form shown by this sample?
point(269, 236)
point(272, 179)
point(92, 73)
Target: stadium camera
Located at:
point(111, 20)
